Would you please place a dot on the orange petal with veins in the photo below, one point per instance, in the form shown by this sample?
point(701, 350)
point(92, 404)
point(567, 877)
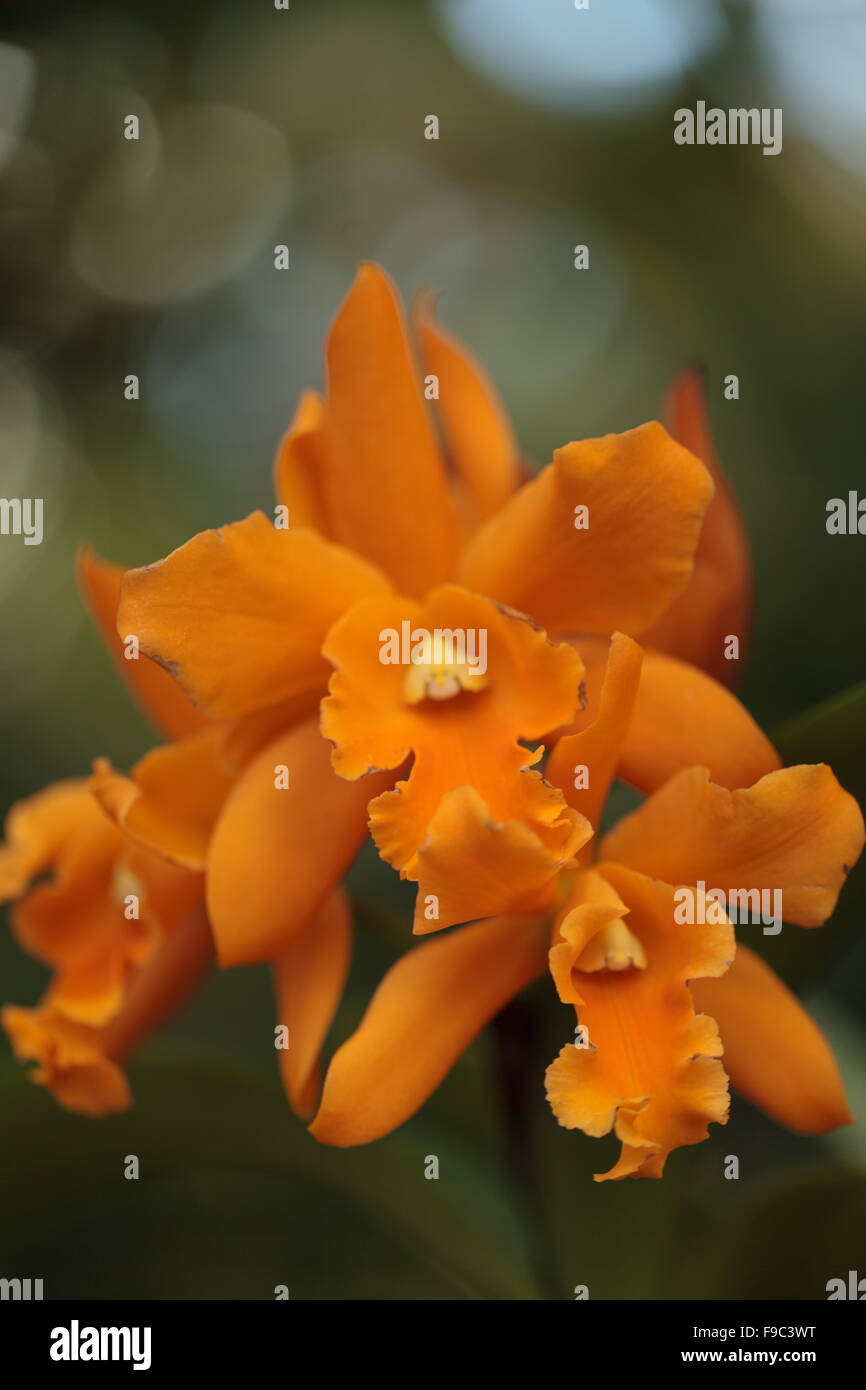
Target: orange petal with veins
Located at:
point(796, 830)
point(239, 615)
point(646, 497)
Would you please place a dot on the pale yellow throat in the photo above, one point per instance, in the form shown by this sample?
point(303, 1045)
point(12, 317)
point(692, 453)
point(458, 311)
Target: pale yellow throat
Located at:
point(428, 682)
point(613, 948)
point(125, 884)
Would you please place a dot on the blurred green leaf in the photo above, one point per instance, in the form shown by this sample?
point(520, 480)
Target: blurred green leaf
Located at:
point(235, 1197)
point(614, 1237)
point(832, 732)
point(786, 1244)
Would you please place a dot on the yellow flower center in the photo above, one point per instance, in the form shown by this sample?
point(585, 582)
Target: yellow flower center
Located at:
point(614, 948)
point(440, 682)
point(125, 884)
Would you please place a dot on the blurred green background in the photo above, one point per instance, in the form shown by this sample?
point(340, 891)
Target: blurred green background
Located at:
point(306, 128)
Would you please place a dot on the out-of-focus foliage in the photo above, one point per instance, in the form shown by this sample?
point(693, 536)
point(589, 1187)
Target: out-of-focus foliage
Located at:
point(234, 1199)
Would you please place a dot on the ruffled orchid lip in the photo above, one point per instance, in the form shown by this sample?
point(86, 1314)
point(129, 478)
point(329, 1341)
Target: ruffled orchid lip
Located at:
point(473, 824)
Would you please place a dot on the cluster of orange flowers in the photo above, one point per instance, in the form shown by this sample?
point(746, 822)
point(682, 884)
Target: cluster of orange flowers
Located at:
point(290, 740)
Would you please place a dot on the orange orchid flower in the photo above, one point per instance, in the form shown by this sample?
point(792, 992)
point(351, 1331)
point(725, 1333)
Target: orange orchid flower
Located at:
point(121, 918)
point(392, 527)
point(649, 1067)
point(386, 535)
point(183, 798)
point(122, 930)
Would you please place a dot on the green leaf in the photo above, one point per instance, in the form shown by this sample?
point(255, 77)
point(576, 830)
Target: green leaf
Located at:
point(616, 1238)
point(235, 1197)
point(832, 732)
point(788, 1243)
